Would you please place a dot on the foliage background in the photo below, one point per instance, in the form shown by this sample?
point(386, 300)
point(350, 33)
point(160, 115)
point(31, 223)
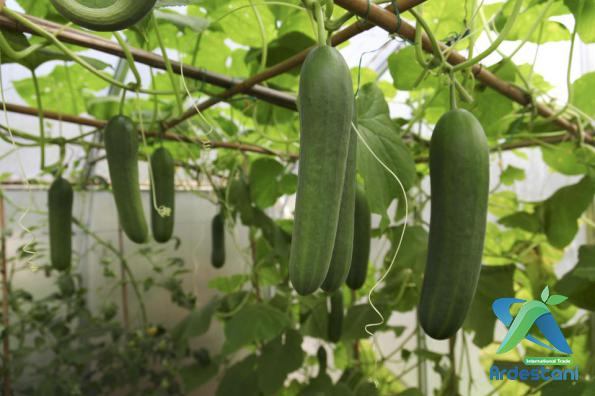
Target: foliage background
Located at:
point(516, 236)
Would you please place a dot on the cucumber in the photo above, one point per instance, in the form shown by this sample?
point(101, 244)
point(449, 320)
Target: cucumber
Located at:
point(121, 148)
point(459, 178)
point(116, 15)
point(321, 356)
point(218, 241)
point(60, 198)
point(335, 316)
point(163, 167)
point(326, 110)
point(361, 241)
point(343, 248)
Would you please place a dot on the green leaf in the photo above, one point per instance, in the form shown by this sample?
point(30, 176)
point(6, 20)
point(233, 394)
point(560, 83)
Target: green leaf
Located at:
point(267, 182)
point(196, 323)
point(582, 92)
point(253, 323)
point(410, 392)
point(278, 359)
point(556, 299)
point(381, 134)
point(578, 284)
point(356, 319)
point(494, 282)
point(196, 375)
point(584, 14)
point(563, 209)
point(567, 158)
point(525, 221)
point(550, 30)
point(239, 379)
point(405, 70)
point(545, 294)
point(512, 174)
point(182, 21)
point(228, 284)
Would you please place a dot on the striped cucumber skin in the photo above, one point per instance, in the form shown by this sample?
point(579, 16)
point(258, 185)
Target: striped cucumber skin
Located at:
point(326, 110)
point(163, 167)
point(218, 241)
point(362, 237)
point(60, 199)
point(459, 178)
point(118, 15)
point(121, 148)
point(343, 248)
point(335, 317)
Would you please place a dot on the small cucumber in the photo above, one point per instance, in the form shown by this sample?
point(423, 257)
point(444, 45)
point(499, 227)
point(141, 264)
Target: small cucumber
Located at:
point(459, 178)
point(121, 148)
point(218, 241)
point(60, 199)
point(335, 317)
point(163, 167)
point(361, 241)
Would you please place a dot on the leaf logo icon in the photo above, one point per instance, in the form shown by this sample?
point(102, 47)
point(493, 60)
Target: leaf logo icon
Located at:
point(531, 312)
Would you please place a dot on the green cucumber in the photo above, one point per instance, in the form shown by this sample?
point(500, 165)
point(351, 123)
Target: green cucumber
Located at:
point(361, 241)
point(326, 111)
point(343, 248)
point(218, 241)
point(163, 187)
point(121, 148)
point(335, 316)
point(106, 17)
point(459, 178)
point(60, 198)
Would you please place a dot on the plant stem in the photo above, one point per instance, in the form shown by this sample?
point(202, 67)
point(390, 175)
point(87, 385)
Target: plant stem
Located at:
point(501, 37)
point(40, 116)
point(168, 67)
point(319, 15)
point(123, 280)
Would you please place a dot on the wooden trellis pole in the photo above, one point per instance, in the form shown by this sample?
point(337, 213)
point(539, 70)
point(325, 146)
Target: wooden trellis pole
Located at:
point(88, 40)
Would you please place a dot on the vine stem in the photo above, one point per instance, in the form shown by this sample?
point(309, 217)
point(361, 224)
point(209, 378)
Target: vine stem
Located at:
point(496, 43)
point(123, 280)
point(319, 14)
point(168, 67)
point(5, 306)
point(39, 115)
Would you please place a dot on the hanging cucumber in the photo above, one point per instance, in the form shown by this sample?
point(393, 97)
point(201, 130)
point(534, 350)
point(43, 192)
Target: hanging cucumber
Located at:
point(326, 110)
point(459, 176)
point(343, 248)
point(361, 241)
point(60, 198)
point(335, 317)
point(163, 189)
point(121, 148)
point(107, 16)
point(218, 241)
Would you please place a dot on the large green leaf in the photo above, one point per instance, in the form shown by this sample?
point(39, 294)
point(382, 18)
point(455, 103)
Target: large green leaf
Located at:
point(579, 283)
point(494, 282)
point(197, 322)
point(239, 379)
point(584, 14)
point(278, 359)
point(269, 181)
point(406, 71)
point(380, 133)
point(253, 323)
point(582, 93)
point(564, 207)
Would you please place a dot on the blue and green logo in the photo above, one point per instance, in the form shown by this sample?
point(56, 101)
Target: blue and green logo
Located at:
point(531, 313)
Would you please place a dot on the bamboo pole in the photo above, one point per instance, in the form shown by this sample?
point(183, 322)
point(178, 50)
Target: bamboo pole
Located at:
point(286, 65)
point(87, 40)
point(7, 383)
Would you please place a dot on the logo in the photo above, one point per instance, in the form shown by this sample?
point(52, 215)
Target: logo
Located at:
point(531, 313)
